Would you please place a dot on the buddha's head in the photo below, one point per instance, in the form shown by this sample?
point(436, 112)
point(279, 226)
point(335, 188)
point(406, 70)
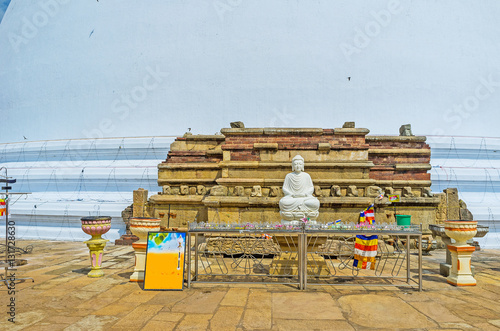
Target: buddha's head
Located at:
point(298, 164)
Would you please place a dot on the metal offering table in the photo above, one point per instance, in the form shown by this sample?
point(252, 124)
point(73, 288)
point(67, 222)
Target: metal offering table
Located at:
point(302, 254)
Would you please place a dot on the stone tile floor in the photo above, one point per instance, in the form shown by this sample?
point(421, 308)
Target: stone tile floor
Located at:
point(64, 298)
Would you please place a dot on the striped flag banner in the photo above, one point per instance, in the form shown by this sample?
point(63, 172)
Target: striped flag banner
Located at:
point(3, 208)
point(370, 215)
point(365, 251)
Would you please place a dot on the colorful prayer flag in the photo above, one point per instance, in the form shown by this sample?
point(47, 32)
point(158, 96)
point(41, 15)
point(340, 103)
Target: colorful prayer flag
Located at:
point(3, 208)
point(365, 252)
point(367, 215)
point(365, 247)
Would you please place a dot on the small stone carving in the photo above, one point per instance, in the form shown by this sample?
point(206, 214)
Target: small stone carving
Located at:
point(352, 191)
point(237, 125)
point(239, 191)
point(349, 125)
point(373, 191)
point(192, 190)
point(218, 191)
point(265, 191)
point(426, 192)
point(407, 193)
point(256, 191)
point(317, 191)
point(175, 190)
point(201, 190)
point(166, 190)
point(184, 190)
point(465, 213)
point(405, 130)
point(298, 201)
point(388, 190)
point(335, 191)
point(274, 192)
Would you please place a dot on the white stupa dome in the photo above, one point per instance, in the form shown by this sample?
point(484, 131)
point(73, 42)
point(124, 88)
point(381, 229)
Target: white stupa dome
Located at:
point(77, 69)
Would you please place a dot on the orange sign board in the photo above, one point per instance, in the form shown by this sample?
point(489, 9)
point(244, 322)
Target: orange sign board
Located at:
point(165, 261)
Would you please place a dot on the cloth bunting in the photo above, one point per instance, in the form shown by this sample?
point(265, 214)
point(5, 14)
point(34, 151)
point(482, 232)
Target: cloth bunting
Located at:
point(367, 216)
point(365, 252)
point(3, 208)
point(365, 247)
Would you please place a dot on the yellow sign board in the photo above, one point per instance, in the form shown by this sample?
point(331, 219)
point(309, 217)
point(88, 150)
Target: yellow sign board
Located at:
point(165, 261)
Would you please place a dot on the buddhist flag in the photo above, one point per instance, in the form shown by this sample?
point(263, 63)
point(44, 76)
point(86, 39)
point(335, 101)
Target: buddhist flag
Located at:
point(370, 214)
point(365, 251)
point(3, 208)
point(365, 247)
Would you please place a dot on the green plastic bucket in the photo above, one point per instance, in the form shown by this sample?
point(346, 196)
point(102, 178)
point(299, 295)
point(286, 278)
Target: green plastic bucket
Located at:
point(403, 220)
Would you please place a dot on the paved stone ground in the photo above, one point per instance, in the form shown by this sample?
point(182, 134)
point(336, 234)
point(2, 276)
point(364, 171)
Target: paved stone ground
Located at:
point(64, 298)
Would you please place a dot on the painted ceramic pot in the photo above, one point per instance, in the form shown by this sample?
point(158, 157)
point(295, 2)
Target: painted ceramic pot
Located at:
point(96, 225)
point(140, 226)
point(461, 231)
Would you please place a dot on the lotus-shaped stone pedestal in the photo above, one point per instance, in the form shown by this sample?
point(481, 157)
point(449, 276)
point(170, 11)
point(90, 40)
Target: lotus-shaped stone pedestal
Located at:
point(461, 252)
point(140, 226)
point(96, 226)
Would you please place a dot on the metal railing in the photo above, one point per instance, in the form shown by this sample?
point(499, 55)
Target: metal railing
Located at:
point(302, 257)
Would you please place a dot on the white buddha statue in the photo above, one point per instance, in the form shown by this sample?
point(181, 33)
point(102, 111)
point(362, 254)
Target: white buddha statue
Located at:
point(298, 201)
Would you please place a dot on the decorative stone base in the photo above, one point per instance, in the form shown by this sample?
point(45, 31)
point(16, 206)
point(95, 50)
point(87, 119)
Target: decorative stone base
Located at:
point(126, 240)
point(140, 262)
point(444, 269)
point(461, 273)
point(137, 276)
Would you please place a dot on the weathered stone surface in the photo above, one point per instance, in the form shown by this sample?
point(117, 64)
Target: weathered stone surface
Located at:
point(275, 191)
point(373, 191)
point(352, 191)
point(257, 318)
point(405, 130)
point(201, 190)
point(218, 190)
point(194, 322)
point(235, 297)
point(199, 303)
point(335, 191)
point(311, 324)
point(453, 204)
point(383, 311)
point(437, 312)
point(407, 192)
point(237, 124)
point(166, 189)
point(291, 306)
point(256, 191)
point(226, 318)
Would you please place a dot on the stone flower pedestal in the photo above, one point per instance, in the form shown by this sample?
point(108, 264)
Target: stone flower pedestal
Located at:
point(461, 252)
point(140, 226)
point(96, 226)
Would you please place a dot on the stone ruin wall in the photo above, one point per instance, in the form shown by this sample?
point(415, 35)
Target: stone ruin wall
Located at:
point(237, 176)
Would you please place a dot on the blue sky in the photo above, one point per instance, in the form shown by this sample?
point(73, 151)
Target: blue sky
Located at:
point(3, 7)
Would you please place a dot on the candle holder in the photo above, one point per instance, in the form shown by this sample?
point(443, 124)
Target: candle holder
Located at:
point(96, 226)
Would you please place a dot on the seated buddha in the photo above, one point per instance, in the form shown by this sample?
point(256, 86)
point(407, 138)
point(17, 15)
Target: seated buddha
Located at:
point(298, 201)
